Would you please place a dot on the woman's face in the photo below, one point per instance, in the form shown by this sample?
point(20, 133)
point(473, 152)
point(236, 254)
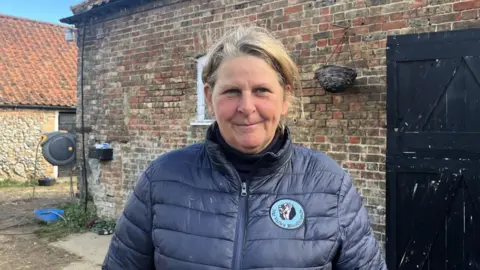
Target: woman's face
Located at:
point(247, 102)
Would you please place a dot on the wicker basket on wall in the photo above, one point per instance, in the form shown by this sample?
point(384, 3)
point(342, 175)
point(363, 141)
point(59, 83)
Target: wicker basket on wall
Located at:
point(336, 78)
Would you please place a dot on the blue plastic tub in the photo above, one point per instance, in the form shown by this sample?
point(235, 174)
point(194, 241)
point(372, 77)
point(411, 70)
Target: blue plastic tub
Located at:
point(49, 214)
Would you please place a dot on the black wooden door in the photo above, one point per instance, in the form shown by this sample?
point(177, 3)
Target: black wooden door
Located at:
point(433, 151)
point(66, 121)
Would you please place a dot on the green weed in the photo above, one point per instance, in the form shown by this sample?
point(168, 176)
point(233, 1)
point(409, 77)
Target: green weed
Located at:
point(11, 183)
point(76, 221)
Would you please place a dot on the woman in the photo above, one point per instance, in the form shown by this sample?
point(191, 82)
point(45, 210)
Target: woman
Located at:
point(246, 198)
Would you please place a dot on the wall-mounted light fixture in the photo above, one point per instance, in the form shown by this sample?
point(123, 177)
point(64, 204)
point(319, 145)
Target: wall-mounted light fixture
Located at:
point(70, 34)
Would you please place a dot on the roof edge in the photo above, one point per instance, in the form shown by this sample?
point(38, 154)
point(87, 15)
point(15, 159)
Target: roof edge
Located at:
point(103, 9)
point(38, 107)
point(86, 5)
point(2, 15)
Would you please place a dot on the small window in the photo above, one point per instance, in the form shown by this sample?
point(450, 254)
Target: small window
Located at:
point(203, 117)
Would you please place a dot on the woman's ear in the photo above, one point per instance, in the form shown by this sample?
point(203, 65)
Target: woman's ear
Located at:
point(286, 100)
point(208, 91)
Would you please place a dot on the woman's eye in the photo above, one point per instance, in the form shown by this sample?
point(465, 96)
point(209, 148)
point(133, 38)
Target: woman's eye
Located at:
point(231, 91)
point(262, 90)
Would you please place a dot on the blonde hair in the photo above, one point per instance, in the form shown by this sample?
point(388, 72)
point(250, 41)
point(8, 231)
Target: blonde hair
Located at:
point(254, 41)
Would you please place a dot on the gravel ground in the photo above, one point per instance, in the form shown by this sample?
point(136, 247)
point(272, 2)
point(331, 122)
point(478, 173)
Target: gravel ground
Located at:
point(19, 246)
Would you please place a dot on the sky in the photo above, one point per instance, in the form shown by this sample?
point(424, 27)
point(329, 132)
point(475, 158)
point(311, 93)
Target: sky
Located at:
point(41, 10)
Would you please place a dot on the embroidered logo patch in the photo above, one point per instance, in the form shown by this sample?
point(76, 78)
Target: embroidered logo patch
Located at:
point(287, 214)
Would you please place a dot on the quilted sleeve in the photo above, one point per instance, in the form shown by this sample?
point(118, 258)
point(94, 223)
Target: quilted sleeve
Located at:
point(131, 246)
point(359, 249)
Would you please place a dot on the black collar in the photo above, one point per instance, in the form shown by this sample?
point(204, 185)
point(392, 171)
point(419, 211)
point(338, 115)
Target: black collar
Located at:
point(269, 163)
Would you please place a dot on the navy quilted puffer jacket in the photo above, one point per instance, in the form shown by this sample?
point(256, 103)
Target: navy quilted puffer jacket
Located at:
point(190, 210)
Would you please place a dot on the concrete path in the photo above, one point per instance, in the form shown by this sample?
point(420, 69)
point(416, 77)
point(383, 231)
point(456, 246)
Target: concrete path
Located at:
point(90, 246)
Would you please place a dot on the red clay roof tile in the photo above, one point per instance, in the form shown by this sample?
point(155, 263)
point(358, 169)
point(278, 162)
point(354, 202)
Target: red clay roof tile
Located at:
point(37, 65)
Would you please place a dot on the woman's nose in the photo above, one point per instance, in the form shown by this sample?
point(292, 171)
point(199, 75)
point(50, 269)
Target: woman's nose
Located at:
point(247, 104)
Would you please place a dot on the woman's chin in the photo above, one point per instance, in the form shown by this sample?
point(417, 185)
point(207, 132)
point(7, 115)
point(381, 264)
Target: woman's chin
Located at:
point(249, 146)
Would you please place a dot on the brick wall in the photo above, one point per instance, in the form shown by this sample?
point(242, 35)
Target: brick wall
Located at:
point(140, 88)
point(20, 133)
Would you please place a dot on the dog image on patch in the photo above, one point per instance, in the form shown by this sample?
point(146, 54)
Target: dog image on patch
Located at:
point(287, 211)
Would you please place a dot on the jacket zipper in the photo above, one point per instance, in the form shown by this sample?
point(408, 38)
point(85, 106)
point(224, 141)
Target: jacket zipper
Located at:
point(241, 232)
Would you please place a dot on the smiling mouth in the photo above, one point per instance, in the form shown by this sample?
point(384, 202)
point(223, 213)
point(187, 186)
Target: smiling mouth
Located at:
point(246, 128)
point(248, 125)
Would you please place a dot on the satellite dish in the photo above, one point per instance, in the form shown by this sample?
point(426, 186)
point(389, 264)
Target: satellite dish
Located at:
point(58, 147)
